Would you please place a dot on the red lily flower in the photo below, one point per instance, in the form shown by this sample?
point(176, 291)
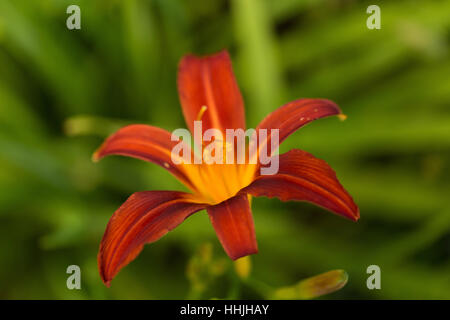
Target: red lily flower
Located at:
point(222, 189)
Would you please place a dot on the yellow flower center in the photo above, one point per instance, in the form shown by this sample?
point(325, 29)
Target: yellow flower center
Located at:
point(217, 182)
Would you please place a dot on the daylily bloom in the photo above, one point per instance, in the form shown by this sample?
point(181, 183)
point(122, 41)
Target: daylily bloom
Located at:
point(208, 91)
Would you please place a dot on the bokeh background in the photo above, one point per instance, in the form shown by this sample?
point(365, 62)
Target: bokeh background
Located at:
point(62, 92)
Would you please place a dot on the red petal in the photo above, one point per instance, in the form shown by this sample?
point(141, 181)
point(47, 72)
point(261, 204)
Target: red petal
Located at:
point(294, 115)
point(143, 218)
point(233, 222)
point(146, 143)
point(209, 81)
point(301, 176)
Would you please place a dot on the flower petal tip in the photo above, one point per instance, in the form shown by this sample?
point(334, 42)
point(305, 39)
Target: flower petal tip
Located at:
point(353, 215)
point(356, 216)
point(106, 282)
point(235, 257)
point(95, 157)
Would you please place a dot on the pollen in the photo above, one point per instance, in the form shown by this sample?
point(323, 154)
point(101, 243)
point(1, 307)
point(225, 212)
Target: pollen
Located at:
point(166, 165)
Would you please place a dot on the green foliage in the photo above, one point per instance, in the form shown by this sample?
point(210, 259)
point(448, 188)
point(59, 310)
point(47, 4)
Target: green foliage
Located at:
point(62, 92)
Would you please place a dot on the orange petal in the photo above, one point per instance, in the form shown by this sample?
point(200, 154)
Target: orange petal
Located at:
point(294, 115)
point(301, 176)
point(209, 82)
point(146, 143)
point(233, 222)
point(143, 218)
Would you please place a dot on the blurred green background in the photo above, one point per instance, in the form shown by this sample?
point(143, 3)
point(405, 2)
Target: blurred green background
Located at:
point(62, 92)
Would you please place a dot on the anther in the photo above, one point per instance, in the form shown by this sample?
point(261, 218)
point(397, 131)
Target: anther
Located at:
point(201, 112)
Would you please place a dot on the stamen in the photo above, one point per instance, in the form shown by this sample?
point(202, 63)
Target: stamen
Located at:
point(342, 117)
point(201, 112)
point(207, 156)
point(228, 146)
